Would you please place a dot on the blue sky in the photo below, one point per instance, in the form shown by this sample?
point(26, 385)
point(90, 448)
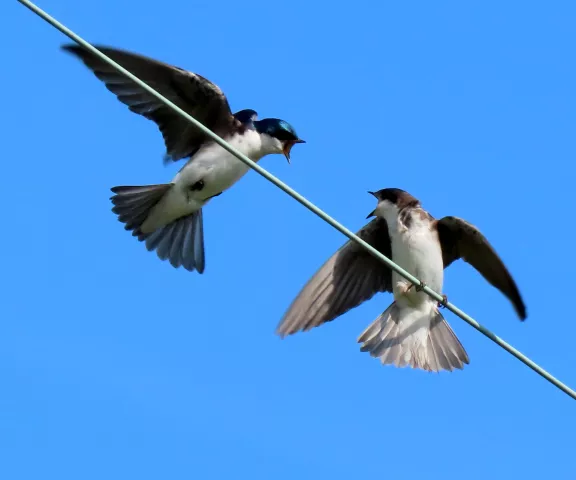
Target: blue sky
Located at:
point(114, 365)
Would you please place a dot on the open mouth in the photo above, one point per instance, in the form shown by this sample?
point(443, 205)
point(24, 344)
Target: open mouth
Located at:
point(288, 146)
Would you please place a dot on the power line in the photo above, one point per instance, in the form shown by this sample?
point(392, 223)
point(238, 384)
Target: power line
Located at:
point(299, 198)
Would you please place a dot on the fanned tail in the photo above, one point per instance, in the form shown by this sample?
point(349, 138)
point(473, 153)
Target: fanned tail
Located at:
point(404, 336)
point(181, 241)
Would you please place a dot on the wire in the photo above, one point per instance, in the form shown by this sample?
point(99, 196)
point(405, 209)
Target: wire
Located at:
point(309, 205)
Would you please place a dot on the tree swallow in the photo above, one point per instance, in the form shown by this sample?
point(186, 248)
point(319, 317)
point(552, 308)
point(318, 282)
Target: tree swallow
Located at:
point(169, 217)
point(411, 331)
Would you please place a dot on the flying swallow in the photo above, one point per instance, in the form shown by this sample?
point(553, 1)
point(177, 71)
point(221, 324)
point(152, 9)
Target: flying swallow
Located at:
point(168, 217)
point(411, 331)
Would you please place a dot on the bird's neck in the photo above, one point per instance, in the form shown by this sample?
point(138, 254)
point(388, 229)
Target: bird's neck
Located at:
point(259, 127)
point(404, 219)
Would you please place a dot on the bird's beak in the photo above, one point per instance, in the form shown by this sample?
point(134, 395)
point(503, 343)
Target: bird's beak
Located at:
point(288, 146)
point(373, 212)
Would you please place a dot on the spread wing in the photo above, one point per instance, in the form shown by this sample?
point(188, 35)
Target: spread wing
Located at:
point(460, 239)
point(350, 277)
point(191, 92)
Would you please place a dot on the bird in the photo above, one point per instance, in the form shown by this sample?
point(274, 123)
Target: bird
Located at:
point(168, 217)
point(411, 331)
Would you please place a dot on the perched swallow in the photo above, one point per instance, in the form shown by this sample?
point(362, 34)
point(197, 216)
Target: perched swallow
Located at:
point(411, 331)
point(169, 217)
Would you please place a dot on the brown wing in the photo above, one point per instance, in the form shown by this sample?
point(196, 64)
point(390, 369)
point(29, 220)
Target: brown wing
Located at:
point(191, 92)
point(460, 239)
point(350, 277)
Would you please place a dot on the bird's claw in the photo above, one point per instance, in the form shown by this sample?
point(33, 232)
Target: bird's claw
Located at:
point(420, 287)
point(443, 303)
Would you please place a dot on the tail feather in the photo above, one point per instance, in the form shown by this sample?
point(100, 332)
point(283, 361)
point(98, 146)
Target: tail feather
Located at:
point(422, 339)
point(175, 253)
point(181, 241)
point(133, 204)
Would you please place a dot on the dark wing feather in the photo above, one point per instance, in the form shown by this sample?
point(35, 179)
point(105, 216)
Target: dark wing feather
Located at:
point(191, 92)
point(460, 239)
point(350, 277)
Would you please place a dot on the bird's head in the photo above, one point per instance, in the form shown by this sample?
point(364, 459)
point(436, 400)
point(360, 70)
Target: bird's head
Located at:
point(390, 201)
point(278, 136)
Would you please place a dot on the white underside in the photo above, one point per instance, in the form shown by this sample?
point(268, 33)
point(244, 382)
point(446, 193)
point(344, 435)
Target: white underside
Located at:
point(216, 167)
point(418, 251)
point(411, 331)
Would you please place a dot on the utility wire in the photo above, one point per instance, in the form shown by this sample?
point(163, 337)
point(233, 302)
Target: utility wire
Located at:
point(300, 199)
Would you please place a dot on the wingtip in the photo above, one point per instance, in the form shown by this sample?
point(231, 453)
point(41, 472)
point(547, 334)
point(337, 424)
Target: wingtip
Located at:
point(70, 47)
point(78, 50)
point(520, 308)
point(281, 330)
point(281, 334)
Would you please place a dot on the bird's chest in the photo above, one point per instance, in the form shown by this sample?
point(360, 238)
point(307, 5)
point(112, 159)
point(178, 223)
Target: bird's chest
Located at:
point(223, 172)
point(219, 169)
point(417, 250)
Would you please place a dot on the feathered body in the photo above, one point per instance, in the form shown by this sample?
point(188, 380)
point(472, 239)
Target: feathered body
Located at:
point(411, 331)
point(169, 217)
point(415, 246)
point(403, 334)
point(217, 168)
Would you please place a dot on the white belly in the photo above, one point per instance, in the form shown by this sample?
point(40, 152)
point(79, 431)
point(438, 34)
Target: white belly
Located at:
point(224, 173)
point(417, 251)
point(217, 167)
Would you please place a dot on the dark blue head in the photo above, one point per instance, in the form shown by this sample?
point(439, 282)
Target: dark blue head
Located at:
point(281, 134)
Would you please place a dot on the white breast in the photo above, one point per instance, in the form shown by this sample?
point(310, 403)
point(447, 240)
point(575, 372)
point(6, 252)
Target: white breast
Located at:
point(418, 251)
point(217, 167)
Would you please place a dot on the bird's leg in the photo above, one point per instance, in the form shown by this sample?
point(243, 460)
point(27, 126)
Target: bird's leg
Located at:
point(418, 288)
point(444, 301)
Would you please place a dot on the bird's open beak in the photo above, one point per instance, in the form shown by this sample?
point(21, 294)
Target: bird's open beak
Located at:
point(373, 212)
point(288, 146)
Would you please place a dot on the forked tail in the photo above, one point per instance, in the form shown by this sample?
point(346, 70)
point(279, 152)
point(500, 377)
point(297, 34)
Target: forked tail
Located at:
point(181, 241)
point(420, 338)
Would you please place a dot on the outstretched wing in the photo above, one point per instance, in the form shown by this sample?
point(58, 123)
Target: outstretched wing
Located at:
point(350, 277)
point(460, 239)
point(191, 92)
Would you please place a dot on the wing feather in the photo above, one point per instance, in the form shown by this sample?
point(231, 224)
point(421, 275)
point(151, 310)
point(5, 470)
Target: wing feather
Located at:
point(460, 239)
point(191, 92)
point(350, 277)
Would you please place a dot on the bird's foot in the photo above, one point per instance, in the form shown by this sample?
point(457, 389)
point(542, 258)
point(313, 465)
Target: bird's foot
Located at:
point(443, 303)
point(417, 288)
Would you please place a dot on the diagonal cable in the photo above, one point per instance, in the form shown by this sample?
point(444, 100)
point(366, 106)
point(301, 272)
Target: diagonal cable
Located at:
point(300, 199)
